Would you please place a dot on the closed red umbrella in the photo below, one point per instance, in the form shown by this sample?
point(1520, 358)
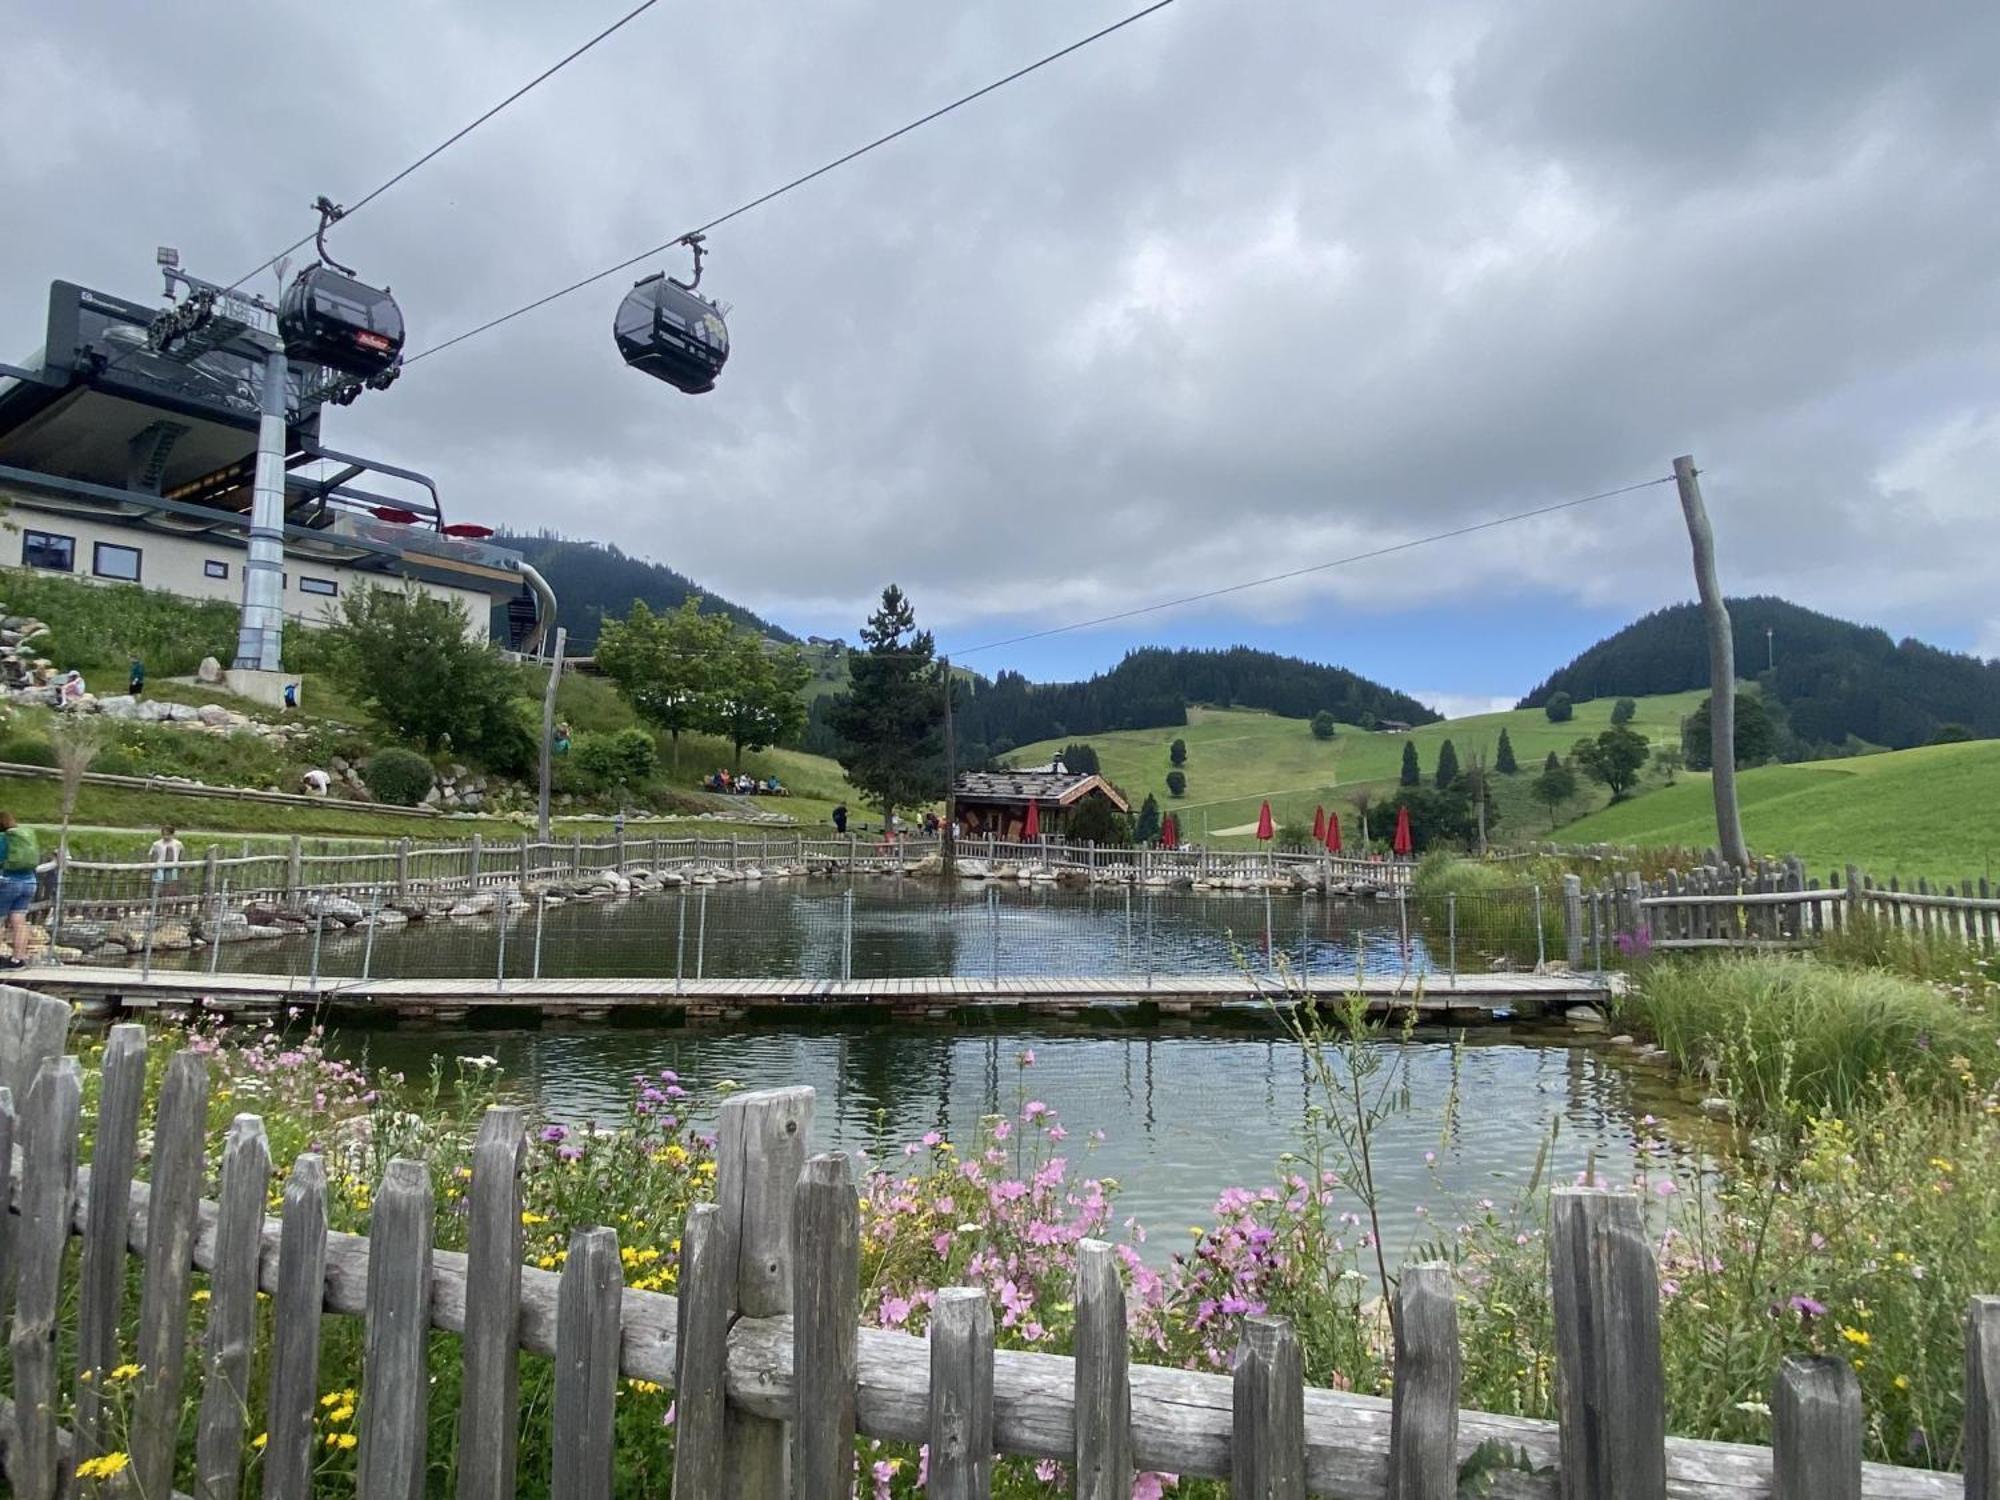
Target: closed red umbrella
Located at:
point(1333, 833)
point(1170, 833)
point(1403, 843)
point(1266, 830)
point(1032, 829)
point(1319, 824)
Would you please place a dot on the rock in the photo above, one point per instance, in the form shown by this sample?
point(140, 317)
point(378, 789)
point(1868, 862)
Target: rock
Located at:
point(335, 908)
point(339, 765)
point(1717, 1106)
point(1585, 1018)
point(89, 936)
point(473, 906)
point(1624, 1039)
point(432, 797)
point(388, 916)
point(210, 672)
point(118, 706)
point(182, 713)
point(214, 715)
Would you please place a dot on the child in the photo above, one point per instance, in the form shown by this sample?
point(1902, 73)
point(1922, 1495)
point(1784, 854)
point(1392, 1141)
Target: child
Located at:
point(17, 886)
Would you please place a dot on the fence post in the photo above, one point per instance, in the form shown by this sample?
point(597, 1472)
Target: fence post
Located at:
point(49, 1124)
point(701, 935)
point(152, 925)
point(230, 1338)
point(395, 1367)
point(179, 1130)
point(993, 932)
point(101, 1297)
point(1423, 1424)
point(319, 921)
point(210, 868)
point(961, 1416)
point(368, 941)
point(402, 869)
point(489, 1410)
point(1451, 924)
point(826, 1312)
point(1816, 1430)
point(1982, 1399)
point(702, 1354)
point(1573, 920)
point(500, 916)
point(215, 929)
point(1541, 944)
point(1267, 1444)
point(475, 858)
point(680, 940)
point(1131, 949)
point(575, 854)
point(761, 1148)
point(296, 1313)
point(541, 909)
point(1610, 1387)
point(1103, 1389)
point(847, 935)
point(588, 1301)
point(294, 868)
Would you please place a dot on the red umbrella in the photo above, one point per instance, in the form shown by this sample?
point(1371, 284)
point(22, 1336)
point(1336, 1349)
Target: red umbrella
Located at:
point(1032, 829)
point(1170, 833)
point(1265, 828)
point(469, 529)
point(1402, 843)
point(1333, 833)
point(1319, 823)
point(396, 514)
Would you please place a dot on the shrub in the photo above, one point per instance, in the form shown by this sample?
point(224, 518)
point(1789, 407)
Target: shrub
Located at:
point(1177, 752)
point(1176, 783)
point(1559, 708)
point(1096, 821)
point(24, 749)
point(1322, 725)
point(607, 761)
point(398, 776)
point(1624, 711)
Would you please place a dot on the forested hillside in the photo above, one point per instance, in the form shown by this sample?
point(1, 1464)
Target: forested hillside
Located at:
point(1833, 679)
point(1151, 689)
point(595, 579)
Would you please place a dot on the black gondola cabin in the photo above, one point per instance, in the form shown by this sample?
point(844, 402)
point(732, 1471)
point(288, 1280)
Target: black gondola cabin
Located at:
point(330, 319)
point(666, 331)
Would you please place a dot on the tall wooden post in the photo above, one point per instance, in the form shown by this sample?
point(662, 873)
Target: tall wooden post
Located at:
point(549, 732)
point(1721, 668)
point(948, 844)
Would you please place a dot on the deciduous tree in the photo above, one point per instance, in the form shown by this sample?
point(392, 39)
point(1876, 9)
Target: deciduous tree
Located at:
point(668, 667)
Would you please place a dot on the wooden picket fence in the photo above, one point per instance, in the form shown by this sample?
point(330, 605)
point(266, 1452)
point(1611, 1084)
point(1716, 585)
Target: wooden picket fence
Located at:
point(774, 1377)
point(1774, 904)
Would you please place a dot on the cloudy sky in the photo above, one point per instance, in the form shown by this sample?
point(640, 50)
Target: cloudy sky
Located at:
point(1251, 285)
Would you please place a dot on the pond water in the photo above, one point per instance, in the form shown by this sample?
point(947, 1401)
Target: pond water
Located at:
point(1183, 1115)
point(896, 928)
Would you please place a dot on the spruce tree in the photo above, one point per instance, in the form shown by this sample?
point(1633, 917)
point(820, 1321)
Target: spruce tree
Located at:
point(1503, 758)
point(1447, 770)
point(1147, 828)
point(1553, 763)
point(1413, 773)
point(890, 723)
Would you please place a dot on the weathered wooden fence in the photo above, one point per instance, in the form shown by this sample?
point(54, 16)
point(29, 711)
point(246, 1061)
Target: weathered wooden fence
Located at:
point(774, 1376)
point(1773, 905)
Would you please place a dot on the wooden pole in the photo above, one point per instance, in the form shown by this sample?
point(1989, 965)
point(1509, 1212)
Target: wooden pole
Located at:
point(1721, 667)
point(549, 732)
point(948, 845)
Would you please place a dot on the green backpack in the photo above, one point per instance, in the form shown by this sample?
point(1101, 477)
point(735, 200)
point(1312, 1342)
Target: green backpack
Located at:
point(23, 853)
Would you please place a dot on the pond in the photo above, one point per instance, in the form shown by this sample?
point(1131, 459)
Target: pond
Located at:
point(904, 928)
point(1183, 1115)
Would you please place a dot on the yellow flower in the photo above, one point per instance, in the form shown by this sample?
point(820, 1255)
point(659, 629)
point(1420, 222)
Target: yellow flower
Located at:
point(644, 1387)
point(108, 1467)
point(202, 1295)
point(1901, 1382)
point(533, 1218)
point(341, 1414)
point(261, 1441)
point(1858, 1336)
point(1942, 1165)
point(125, 1372)
point(341, 1440)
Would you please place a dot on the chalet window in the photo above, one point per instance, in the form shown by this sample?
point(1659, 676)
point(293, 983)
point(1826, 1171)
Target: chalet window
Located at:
point(109, 560)
point(324, 586)
point(44, 549)
point(213, 569)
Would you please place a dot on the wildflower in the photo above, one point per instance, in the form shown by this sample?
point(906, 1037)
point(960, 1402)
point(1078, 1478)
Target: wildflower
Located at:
point(202, 1295)
point(1807, 1307)
point(1901, 1382)
point(125, 1372)
point(342, 1441)
point(531, 1218)
point(261, 1441)
point(1755, 1408)
point(645, 1387)
point(341, 1414)
point(109, 1466)
point(1855, 1336)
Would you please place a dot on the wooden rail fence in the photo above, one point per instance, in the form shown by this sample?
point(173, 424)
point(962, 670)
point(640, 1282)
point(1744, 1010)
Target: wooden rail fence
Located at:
point(774, 1376)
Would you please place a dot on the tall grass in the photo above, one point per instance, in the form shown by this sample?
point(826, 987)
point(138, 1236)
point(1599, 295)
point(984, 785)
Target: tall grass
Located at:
point(1794, 1035)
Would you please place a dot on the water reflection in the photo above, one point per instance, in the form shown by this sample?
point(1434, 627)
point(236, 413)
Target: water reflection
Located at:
point(1183, 1115)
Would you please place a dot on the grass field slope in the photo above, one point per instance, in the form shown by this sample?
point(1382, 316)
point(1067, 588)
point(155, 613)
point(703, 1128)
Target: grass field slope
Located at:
point(1238, 757)
point(1929, 811)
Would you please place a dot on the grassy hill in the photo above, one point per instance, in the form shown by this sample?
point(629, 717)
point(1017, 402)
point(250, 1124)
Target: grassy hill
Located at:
point(1927, 811)
point(1238, 757)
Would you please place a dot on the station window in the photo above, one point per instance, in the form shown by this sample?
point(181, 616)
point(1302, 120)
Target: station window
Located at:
point(214, 569)
point(44, 549)
point(109, 560)
point(324, 586)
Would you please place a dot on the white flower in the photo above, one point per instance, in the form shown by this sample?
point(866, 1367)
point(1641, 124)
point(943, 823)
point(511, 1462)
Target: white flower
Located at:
point(1755, 1408)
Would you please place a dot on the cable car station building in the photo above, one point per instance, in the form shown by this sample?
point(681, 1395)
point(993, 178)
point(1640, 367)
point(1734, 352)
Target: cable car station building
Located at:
point(997, 802)
point(122, 467)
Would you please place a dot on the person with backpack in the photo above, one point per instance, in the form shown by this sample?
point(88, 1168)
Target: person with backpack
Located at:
point(17, 885)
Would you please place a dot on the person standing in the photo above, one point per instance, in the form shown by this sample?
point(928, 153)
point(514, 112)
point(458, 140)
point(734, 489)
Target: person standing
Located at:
point(840, 817)
point(138, 684)
point(167, 853)
point(17, 886)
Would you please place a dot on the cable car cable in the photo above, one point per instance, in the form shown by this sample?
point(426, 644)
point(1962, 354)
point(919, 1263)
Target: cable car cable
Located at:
point(1339, 562)
point(796, 182)
point(451, 140)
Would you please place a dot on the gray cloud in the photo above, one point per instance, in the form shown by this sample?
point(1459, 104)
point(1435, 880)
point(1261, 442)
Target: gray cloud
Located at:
point(1246, 286)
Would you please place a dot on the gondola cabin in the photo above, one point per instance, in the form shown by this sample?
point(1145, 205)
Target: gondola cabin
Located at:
point(327, 318)
point(666, 331)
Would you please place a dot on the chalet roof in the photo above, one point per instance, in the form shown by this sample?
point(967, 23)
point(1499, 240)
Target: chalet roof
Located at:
point(1048, 788)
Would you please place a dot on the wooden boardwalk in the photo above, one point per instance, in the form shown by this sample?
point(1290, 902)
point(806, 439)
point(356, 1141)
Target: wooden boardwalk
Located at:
point(1499, 996)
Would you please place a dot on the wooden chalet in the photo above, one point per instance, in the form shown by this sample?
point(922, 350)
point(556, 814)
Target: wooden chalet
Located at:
point(997, 802)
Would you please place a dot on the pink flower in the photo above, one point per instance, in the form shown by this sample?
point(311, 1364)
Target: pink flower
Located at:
point(1150, 1486)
